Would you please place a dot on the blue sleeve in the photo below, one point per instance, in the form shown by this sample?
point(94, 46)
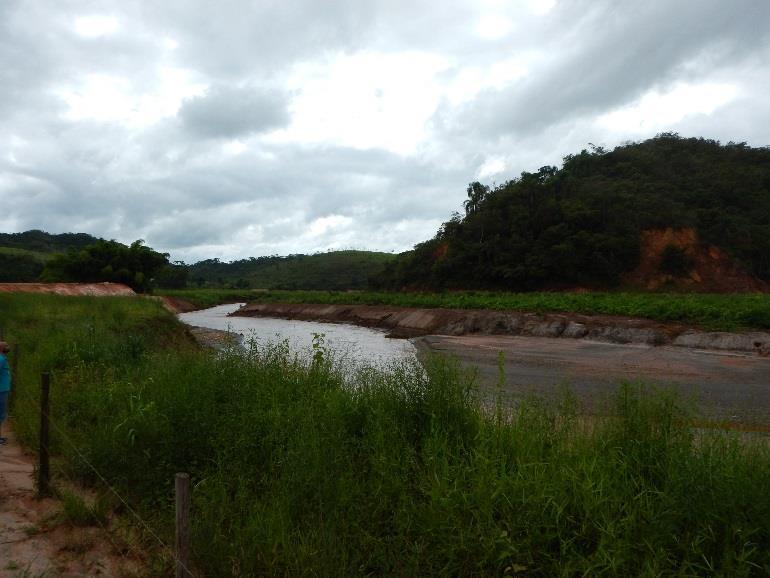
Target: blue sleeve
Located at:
point(5, 374)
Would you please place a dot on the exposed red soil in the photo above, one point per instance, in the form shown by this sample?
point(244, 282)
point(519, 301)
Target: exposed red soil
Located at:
point(36, 541)
point(87, 289)
point(176, 305)
point(713, 271)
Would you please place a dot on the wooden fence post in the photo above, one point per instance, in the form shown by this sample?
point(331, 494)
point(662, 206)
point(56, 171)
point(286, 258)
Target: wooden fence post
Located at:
point(43, 471)
point(182, 551)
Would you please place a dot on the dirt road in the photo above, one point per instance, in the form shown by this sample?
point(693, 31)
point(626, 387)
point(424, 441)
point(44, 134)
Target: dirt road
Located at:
point(35, 540)
point(727, 386)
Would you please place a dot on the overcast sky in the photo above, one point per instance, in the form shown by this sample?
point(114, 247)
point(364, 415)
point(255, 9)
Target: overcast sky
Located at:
point(243, 128)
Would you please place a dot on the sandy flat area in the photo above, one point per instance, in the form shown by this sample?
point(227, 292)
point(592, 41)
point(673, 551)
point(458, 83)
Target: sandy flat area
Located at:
point(727, 386)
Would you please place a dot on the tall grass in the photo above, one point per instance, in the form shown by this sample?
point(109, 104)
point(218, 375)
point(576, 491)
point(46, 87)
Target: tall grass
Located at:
point(405, 473)
point(712, 311)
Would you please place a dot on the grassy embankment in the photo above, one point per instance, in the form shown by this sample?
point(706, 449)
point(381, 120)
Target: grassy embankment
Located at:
point(711, 311)
point(295, 474)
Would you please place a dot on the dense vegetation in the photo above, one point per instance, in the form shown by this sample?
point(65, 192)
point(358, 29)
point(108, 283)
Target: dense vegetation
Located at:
point(296, 473)
point(335, 270)
point(80, 257)
point(581, 225)
point(23, 255)
point(108, 261)
point(20, 265)
point(77, 257)
point(712, 311)
point(42, 242)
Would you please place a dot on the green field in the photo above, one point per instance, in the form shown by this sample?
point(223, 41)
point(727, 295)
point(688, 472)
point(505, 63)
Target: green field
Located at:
point(404, 474)
point(710, 311)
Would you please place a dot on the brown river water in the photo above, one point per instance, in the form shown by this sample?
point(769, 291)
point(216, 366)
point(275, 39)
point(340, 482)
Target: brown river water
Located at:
point(349, 343)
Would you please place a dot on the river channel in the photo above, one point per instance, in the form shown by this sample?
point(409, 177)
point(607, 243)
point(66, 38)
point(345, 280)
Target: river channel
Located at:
point(349, 343)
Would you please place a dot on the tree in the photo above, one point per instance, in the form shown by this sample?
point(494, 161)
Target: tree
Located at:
point(476, 194)
point(581, 225)
point(135, 266)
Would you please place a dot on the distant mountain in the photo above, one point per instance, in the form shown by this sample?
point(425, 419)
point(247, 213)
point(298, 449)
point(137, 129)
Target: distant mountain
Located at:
point(42, 242)
point(23, 255)
point(335, 270)
point(666, 213)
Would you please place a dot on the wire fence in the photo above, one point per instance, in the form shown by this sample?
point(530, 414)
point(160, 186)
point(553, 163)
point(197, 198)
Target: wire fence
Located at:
point(34, 405)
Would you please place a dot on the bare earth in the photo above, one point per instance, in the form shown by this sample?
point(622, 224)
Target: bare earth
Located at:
point(33, 539)
point(729, 386)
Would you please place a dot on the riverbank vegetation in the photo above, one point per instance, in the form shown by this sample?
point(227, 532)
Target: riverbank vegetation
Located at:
point(710, 311)
point(405, 473)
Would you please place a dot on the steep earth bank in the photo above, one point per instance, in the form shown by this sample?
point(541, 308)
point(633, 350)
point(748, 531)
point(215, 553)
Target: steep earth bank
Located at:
point(412, 322)
point(708, 269)
point(85, 289)
point(176, 305)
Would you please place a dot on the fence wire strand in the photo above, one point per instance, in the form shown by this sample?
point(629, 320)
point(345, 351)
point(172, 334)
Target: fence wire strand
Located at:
point(36, 406)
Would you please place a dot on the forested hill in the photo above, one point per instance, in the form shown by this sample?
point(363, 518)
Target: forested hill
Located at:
point(583, 225)
point(335, 270)
point(23, 255)
point(39, 256)
point(42, 242)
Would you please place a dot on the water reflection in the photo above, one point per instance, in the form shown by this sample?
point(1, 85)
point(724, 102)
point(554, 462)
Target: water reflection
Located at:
point(350, 343)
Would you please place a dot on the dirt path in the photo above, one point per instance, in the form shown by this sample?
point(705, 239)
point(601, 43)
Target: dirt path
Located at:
point(729, 386)
point(34, 539)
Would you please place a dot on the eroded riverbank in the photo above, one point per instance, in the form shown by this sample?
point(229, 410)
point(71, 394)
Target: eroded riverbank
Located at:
point(729, 386)
point(413, 322)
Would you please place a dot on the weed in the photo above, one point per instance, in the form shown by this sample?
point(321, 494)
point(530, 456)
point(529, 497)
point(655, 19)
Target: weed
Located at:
point(405, 472)
point(77, 511)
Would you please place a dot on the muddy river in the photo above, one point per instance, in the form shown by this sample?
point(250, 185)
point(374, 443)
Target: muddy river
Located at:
point(729, 386)
point(356, 345)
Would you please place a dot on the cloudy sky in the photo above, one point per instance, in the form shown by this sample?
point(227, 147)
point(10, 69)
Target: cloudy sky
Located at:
point(253, 127)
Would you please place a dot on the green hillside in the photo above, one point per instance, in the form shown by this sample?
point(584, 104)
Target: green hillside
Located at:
point(582, 225)
point(20, 265)
point(334, 270)
point(42, 242)
point(23, 256)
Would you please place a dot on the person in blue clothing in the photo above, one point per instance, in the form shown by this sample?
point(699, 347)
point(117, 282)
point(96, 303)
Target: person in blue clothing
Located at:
point(5, 386)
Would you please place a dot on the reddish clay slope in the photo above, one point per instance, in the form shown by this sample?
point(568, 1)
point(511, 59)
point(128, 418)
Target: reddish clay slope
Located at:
point(90, 289)
point(712, 270)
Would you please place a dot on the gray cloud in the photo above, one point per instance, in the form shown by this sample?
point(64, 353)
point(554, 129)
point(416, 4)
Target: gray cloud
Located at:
point(165, 128)
point(614, 52)
point(233, 111)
